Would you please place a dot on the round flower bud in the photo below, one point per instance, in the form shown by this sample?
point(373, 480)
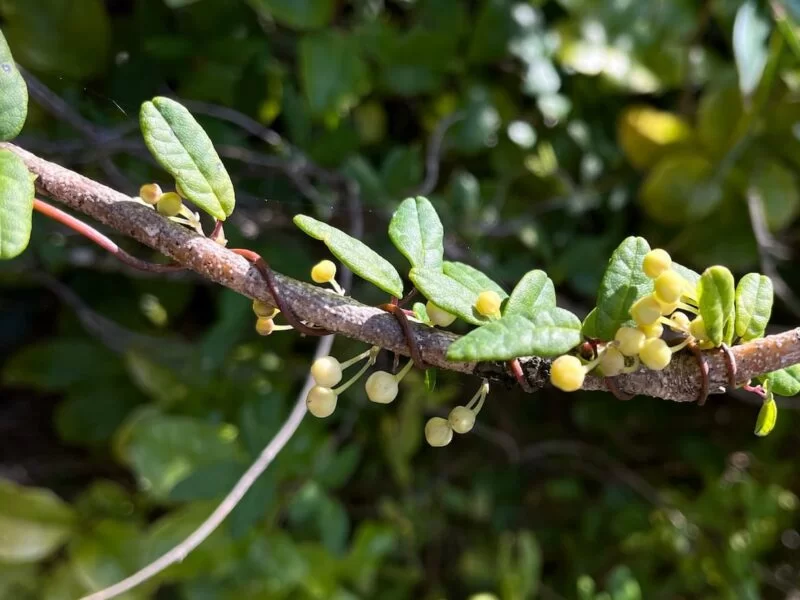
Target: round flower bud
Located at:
point(262, 309)
point(655, 354)
point(321, 401)
point(656, 262)
point(669, 286)
point(697, 329)
point(612, 361)
point(150, 192)
point(326, 371)
point(488, 303)
point(630, 340)
point(438, 432)
point(264, 325)
point(567, 373)
point(646, 310)
point(652, 331)
point(381, 387)
point(169, 204)
point(439, 316)
point(323, 272)
point(461, 419)
point(680, 320)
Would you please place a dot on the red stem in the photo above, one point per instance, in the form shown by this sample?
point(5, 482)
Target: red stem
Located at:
point(101, 240)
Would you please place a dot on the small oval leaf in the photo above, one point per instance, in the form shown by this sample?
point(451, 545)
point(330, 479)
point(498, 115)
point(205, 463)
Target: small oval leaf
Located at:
point(534, 292)
point(785, 382)
point(415, 229)
point(13, 95)
point(767, 416)
point(183, 148)
point(16, 205)
point(716, 294)
point(472, 278)
point(753, 306)
point(359, 258)
point(622, 284)
point(549, 333)
point(448, 294)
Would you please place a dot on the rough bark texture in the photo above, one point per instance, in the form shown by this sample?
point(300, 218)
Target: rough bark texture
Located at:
point(345, 316)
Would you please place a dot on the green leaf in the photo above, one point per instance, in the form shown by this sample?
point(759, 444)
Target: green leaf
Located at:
point(163, 450)
point(421, 312)
point(693, 277)
point(415, 229)
point(402, 170)
point(70, 39)
point(16, 204)
point(448, 294)
point(785, 382)
point(471, 278)
point(767, 416)
point(297, 14)
point(13, 95)
point(430, 379)
point(533, 293)
point(34, 523)
point(753, 306)
point(716, 297)
point(333, 74)
point(181, 146)
point(359, 258)
point(550, 332)
point(750, 48)
point(778, 192)
point(623, 283)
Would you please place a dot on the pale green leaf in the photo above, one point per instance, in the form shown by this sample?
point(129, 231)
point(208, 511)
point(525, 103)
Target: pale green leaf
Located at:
point(417, 232)
point(767, 416)
point(472, 278)
point(34, 523)
point(785, 382)
point(750, 48)
point(181, 146)
point(623, 283)
point(448, 294)
point(359, 258)
point(13, 95)
point(753, 306)
point(533, 293)
point(16, 205)
point(716, 297)
point(549, 332)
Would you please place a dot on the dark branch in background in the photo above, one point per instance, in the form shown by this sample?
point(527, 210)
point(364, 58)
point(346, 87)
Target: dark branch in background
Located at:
point(433, 157)
point(679, 381)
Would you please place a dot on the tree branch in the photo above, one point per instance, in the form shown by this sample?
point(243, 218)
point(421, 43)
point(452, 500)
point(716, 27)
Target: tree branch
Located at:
point(679, 381)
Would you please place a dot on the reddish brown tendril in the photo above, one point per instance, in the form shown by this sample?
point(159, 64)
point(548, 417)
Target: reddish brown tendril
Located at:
point(730, 364)
point(408, 333)
point(263, 268)
point(614, 389)
point(101, 240)
point(755, 389)
point(703, 364)
point(405, 299)
point(519, 375)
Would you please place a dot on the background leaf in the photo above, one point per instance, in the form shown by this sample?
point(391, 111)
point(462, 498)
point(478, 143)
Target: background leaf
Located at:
point(360, 258)
point(16, 205)
point(415, 229)
point(750, 48)
point(298, 14)
point(181, 146)
point(13, 94)
point(753, 306)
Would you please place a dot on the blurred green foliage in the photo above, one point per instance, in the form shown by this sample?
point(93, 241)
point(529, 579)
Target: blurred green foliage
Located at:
point(130, 404)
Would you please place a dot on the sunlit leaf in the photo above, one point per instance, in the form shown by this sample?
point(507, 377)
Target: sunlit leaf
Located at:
point(753, 306)
point(13, 95)
point(549, 332)
point(623, 283)
point(183, 148)
point(415, 229)
point(16, 205)
point(360, 258)
point(645, 134)
point(767, 417)
point(34, 523)
point(534, 292)
point(472, 278)
point(448, 293)
point(785, 382)
point(716, 296)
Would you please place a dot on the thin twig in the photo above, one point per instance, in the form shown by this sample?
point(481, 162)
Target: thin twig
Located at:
point(215, 519)
point(433, 158)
